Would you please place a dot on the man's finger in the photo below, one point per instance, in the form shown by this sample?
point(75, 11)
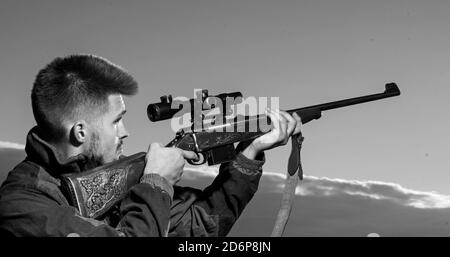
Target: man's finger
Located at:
point(298, 128)
point(275, 120)
point(283, 123)
point(291, 122)
point(189, 155)
point(153, 145)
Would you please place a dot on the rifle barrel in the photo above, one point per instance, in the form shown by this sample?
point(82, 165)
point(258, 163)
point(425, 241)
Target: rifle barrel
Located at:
point(306, 113)
point(391, 90)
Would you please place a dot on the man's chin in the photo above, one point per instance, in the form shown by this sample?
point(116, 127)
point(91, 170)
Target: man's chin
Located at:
point(119, 153)
point(119, 156)
point(110, 159)
point(107, 159)
point(115, 158)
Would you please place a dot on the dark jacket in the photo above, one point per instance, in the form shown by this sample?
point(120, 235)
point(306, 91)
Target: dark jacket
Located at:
point(32, 203)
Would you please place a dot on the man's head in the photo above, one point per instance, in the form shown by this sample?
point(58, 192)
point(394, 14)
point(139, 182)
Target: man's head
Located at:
point(77, 104)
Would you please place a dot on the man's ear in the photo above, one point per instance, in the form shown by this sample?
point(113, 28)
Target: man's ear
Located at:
point(78, 133)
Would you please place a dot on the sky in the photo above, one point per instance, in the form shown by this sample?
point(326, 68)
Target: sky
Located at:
point(304, 52)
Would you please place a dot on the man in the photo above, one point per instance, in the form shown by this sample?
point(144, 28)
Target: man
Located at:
point(78, 106)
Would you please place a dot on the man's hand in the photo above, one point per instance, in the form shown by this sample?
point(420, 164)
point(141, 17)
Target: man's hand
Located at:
point(283, 126)
point(168, 162)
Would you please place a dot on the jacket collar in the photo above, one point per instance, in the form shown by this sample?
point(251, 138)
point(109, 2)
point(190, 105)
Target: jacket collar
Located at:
point(47, 156)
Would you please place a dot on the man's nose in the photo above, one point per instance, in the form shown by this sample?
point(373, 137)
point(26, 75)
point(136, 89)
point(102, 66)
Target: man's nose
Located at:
point(123, 133)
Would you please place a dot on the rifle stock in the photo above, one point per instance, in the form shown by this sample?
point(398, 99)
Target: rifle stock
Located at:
point(96, 191)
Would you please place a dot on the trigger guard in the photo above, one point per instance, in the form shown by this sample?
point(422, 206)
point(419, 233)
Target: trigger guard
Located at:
point(201, 160)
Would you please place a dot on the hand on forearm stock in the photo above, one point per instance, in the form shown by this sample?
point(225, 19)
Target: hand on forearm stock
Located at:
point(284, 125)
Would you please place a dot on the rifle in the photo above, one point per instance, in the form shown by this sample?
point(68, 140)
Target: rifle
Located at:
point(96, 191)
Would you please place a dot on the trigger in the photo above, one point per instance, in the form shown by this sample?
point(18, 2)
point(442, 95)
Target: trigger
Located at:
point(201, 160)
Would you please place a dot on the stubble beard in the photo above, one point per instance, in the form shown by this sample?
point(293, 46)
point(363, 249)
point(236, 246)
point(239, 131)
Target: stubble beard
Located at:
point(95, 153)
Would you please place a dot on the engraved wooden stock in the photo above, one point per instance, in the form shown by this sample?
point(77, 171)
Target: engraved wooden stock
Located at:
point(96, 191)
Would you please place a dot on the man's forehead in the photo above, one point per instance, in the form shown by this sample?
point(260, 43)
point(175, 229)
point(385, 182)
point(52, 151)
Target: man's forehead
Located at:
point(117, 102)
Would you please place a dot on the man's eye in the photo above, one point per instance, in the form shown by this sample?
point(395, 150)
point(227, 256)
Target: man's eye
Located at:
point(116, 121)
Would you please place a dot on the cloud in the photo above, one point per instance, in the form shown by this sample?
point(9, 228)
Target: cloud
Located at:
point(373, 189)
point(10, 155)
point(204, 170)
point(10, 145)
point(329, 187)
point(338, 207)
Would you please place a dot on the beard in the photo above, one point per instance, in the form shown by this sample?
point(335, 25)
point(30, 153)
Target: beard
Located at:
point(94, 153)
point(97, 155)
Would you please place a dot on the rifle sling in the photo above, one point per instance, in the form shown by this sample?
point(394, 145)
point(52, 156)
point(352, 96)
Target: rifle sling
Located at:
point(294, 173)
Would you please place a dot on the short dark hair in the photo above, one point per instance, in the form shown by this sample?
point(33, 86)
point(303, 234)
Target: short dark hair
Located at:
point(74, 87)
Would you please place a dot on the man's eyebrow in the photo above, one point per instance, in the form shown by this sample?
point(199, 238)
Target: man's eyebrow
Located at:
point(121, 114)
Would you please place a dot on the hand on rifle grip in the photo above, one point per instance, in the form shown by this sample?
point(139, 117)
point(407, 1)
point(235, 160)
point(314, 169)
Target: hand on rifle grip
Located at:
point(168, 162)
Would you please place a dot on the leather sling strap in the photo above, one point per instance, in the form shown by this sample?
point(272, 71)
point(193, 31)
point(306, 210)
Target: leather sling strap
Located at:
point(294, 173)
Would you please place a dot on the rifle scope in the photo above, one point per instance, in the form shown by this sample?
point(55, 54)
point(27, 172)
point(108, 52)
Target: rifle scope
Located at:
point(163, 110)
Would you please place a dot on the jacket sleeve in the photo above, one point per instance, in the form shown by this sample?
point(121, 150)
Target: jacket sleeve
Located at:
point(213, 211)
point(144, 212)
